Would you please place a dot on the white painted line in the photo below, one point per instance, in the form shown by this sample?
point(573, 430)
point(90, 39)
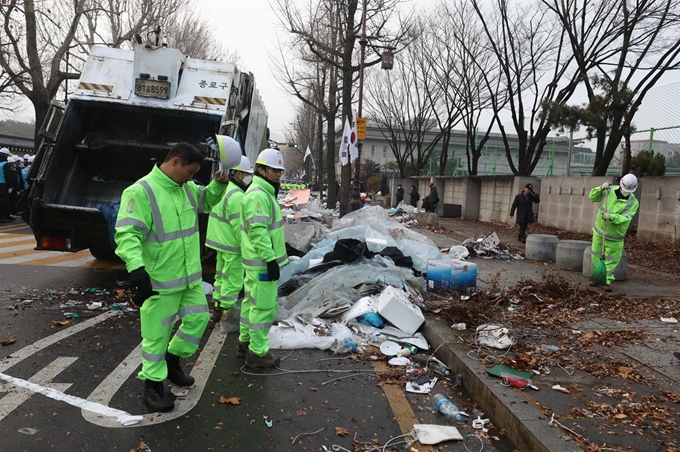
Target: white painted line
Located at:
point(87, 259)
point(113, 382)
point(16, 239)
point(122, 417)
point(35, 347)
point(31, 257)
point(17, 396)
point(11, 249)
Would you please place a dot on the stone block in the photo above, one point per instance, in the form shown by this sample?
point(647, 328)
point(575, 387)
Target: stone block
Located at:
point(569, 254)
point(541, 247)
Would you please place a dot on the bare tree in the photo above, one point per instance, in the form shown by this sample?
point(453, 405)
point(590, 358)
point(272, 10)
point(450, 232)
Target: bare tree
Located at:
point(462, 63)
point(628, 46)
point(401, 103)
point(379, 15)
point(528, 49)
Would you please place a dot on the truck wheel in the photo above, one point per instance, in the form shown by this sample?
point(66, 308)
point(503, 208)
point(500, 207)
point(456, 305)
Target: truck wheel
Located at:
point(104, 253)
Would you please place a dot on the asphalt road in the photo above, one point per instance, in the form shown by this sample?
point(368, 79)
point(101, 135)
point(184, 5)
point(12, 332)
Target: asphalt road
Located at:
point(93, 359)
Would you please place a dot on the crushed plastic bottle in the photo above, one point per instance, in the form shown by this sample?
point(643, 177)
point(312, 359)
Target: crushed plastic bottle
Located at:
point(446, 407)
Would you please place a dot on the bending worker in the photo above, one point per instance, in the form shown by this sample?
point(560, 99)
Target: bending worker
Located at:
point(158, 239)
point(224, 236)
point(264, 251)
point(618, 206)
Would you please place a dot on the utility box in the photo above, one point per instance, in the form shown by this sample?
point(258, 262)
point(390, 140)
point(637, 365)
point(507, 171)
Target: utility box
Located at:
point(396, 308)
point(451, 274)
point(452, 210)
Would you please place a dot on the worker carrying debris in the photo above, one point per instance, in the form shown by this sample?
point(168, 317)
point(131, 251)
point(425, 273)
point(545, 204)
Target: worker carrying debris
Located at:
point(618, 206)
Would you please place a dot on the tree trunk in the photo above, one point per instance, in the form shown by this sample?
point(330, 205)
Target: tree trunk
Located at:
point(40, 107)
point(319, 160)
point(347, 76)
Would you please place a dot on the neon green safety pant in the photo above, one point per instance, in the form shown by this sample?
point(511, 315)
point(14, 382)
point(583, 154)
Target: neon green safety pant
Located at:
point(613, 249)
point(231, 278)
point(158, 315)
point(258, 312)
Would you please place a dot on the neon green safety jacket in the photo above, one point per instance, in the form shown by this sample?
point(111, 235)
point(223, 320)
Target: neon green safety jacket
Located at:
point(224, 226)
point(157, 228)
point(263, 238)
point(622, 212)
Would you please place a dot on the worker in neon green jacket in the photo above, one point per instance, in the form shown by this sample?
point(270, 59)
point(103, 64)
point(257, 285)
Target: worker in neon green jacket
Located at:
point(224, 236)
point(618, 206)
point(158, 239)
point(263, 245)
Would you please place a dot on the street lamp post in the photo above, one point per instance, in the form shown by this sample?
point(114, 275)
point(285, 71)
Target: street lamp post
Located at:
point(387, 63)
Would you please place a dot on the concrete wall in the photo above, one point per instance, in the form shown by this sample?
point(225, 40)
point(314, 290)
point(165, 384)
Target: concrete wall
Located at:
point(659, 209)
point(564, 201)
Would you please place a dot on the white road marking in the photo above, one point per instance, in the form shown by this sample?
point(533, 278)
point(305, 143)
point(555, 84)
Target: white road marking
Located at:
point(18, 395)
point(112, 383)
point(37, 346)
point(30, 257)
point(120, 416)
point(23, 238)
point(11, 249)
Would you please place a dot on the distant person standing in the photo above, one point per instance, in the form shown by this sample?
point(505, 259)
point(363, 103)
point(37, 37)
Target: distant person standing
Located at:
point(432, 199)
point(415, 196)
point(400, 194)
point(5, 181)
point(523, 203)
point(618, 206)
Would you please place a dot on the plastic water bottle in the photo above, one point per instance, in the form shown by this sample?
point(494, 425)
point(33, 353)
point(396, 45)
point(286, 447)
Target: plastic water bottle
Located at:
point(446, 407)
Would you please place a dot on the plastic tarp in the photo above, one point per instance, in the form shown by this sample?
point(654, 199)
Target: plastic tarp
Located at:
point(374, 223)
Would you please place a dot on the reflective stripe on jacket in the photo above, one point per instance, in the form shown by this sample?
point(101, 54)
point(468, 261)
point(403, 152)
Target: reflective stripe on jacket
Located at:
point(622, 212)
point(263, 237)
point(224, 224)
point(157, 228)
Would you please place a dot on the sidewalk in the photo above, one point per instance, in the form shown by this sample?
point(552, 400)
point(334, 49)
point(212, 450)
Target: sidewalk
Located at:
point(614, 354)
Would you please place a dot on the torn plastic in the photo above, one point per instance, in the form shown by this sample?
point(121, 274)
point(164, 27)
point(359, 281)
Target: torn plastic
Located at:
point(495, 336)
point(435, 434)
point(374, 223)
point(458, 252)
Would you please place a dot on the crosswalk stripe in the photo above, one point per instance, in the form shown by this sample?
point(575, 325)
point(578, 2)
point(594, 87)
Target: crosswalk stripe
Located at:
point(11, 238)
point(18, 250)
point(26, 257)
point(57, 258)
point(13, 227)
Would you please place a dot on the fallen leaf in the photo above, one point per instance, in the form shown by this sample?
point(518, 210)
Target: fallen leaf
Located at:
point(624, 372)
point(313, 389)
point(302, 412)
point(61, 322)
point(9, 341)
point(340, 431)
point(230, 400)
point(620, 416)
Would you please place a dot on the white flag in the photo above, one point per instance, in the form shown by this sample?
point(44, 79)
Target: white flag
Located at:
point(353, 145)
point(344, 144)
point(308, 153)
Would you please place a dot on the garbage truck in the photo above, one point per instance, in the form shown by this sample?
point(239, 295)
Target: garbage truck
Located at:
point(128, 110)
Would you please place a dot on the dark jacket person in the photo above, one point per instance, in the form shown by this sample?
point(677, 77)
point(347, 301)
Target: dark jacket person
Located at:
point(415, 196)
point(525, 214)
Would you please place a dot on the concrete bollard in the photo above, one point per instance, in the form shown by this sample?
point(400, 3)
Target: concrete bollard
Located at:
point(541, 247)
point(569, 255)
point(619, 272)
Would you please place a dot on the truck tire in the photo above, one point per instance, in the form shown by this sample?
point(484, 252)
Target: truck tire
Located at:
point(104, 253)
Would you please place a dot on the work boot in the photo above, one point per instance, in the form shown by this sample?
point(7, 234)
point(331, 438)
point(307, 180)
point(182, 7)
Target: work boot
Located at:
point(594, 284)
point(606, 288)
point(216, 313)
point(269, 360)
point(242, 350)
point(175, 372)
point(155, 398)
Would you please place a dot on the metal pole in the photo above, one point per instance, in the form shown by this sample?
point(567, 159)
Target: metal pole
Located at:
point(356, 203)
point(570, 151)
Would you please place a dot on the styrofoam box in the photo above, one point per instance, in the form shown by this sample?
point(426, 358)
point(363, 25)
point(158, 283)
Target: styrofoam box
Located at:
point(450, 274)
point(394, 305)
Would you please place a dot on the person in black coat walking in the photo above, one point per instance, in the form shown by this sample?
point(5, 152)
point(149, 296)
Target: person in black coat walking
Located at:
point(400, 194)
point(415, 196)
point(431, 200)
point(525, 213)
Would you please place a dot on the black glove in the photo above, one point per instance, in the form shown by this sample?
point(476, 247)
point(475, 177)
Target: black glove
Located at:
point(141, 281)
point(273, 271)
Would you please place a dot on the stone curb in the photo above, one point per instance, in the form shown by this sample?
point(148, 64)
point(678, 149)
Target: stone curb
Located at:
point(526, 427)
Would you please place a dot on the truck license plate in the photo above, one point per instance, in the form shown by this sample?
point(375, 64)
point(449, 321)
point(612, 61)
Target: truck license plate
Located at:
point(152, 88)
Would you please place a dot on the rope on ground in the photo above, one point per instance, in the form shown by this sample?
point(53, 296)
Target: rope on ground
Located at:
point(481, 448)
point(305, 434)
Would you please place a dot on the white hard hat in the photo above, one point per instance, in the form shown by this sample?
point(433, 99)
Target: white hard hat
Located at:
point(244, 165)
point(4, 151)
point(13, 158)
point(31, 158)
point(230, 151)
point(26, 156)
point(628, 183)
point(271, 158)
